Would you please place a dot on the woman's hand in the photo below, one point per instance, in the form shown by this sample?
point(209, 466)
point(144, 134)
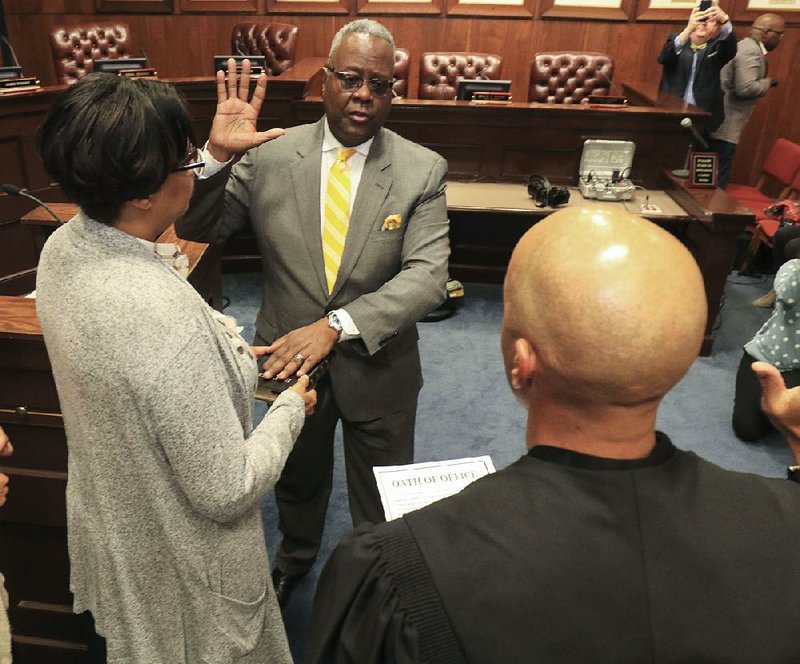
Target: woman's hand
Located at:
point(6, 449)
point(233, 129)
point(309, 396)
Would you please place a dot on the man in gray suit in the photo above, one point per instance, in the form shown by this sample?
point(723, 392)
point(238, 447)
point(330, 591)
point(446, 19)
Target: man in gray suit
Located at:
point(744, 81)
point(344, 180)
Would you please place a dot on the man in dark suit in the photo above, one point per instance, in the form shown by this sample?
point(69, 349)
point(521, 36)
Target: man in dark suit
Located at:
point(605, 542)
point(744, 81)
point(692, 61)
point(351, 222)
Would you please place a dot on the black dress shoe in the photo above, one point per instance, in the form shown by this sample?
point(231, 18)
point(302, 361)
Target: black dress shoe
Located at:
point(284, 585)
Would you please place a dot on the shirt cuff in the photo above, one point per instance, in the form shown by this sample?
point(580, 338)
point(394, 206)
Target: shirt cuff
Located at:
point(212, 166)
point(725, 29)
point(678, 47)
point(349, 328)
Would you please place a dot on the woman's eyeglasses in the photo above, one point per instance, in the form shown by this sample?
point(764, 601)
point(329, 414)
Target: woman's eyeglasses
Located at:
point(191, 162)
point(352, 82)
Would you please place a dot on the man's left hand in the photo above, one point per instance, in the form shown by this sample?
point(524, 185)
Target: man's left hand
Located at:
point(300, 350)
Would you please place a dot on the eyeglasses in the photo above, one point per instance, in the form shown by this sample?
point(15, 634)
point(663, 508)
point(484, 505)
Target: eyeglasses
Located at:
point(780, 33)
point(353, 82)
point(189, 167)
point(191, 162)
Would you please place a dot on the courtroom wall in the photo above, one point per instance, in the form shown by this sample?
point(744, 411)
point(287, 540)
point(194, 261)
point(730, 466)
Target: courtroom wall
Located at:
point(181, 36)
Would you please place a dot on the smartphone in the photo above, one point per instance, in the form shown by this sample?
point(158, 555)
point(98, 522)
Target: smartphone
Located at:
point(704, 5)
point(270, 389)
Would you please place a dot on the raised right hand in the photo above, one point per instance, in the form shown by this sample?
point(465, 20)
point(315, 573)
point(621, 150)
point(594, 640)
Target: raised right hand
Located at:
point(233, 130)
point(309, 396)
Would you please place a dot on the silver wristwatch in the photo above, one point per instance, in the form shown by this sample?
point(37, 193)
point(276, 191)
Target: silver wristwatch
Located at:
point(335, 324)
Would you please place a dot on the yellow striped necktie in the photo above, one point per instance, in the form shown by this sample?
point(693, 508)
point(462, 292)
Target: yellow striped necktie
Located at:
point(337, 215)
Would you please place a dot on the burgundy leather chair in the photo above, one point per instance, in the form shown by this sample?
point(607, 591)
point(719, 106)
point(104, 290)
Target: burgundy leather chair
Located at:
point(567, 78)
point(76, 48)
point(277, 42)
point(439, 72)
point(402, 62)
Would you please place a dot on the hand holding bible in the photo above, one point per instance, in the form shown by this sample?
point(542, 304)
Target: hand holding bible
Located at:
point(233, 129)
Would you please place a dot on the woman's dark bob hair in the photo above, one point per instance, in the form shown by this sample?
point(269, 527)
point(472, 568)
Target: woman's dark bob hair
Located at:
point(110, 139)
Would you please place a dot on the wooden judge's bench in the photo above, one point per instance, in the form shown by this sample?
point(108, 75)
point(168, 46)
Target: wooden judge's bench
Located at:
point(490, 150)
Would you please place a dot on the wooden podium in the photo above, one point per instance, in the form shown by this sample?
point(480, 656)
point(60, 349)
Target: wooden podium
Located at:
point(33, 536)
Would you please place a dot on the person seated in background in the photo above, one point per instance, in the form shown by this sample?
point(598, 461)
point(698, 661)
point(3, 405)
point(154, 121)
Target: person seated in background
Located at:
point(166, 471)
point(6, 449)
point(692, 61)
point(785, 246)
point(776, 343)
point(605, 542)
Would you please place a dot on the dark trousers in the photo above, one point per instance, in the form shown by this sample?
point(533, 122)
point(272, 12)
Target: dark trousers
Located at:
point(304, 488)
point(95, 643)
point(726, 152)
point(785, 245)
point(749, 421)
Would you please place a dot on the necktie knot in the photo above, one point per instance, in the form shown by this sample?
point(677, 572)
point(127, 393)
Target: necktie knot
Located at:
point(343, 154)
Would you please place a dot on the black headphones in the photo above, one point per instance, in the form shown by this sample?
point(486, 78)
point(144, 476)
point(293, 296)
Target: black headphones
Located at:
point(543, 194)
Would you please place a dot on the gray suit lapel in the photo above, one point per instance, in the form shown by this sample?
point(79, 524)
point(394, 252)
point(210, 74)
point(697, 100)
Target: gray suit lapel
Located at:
point(305, 173)
point(376, 180)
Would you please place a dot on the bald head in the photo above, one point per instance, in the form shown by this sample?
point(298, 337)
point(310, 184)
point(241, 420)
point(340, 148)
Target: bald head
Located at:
point(612, 306)
point(768, 29)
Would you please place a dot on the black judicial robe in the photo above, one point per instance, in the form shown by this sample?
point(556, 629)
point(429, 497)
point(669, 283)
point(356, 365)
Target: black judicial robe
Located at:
point(564, 557)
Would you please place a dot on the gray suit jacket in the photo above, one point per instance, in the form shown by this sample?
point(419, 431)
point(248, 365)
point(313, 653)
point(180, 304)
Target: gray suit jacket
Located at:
point(388, 279)
point(743, 82)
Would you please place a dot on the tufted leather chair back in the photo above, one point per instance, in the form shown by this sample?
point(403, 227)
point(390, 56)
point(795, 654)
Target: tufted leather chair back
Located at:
point(277, 42)
point(76, 48)
point(439, 72)
point(567, 78)
point(402, 62)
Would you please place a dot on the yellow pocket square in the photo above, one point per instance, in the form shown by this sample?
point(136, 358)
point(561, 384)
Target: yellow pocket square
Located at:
point(391, 222)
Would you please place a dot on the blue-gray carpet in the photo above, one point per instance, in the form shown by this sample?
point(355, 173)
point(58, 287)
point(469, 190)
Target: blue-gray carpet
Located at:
point(466, 408)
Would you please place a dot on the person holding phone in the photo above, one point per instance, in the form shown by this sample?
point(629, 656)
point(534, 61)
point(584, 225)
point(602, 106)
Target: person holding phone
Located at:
point(692, 60)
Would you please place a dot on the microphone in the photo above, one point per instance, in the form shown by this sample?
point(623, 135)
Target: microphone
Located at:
point(687, 123)
point(10, 50)
point(144, 55)
point(14, 190)
point(607, 98)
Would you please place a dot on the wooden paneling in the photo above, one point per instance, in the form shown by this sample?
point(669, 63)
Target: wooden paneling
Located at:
point(135, 6)
point(219, 5)
point(633, 43)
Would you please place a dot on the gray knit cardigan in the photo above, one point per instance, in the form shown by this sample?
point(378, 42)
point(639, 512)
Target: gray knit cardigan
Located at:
point(166, 472)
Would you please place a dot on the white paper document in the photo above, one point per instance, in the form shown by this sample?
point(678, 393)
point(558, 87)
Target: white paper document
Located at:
point(407, 488)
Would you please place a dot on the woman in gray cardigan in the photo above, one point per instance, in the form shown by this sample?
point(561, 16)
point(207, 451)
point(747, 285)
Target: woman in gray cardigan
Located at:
point(166, 472)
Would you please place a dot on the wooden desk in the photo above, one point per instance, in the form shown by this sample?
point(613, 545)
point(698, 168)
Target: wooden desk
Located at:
point(490, 143)
point(509, 143)
point(487, 220)
point(33, 554)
